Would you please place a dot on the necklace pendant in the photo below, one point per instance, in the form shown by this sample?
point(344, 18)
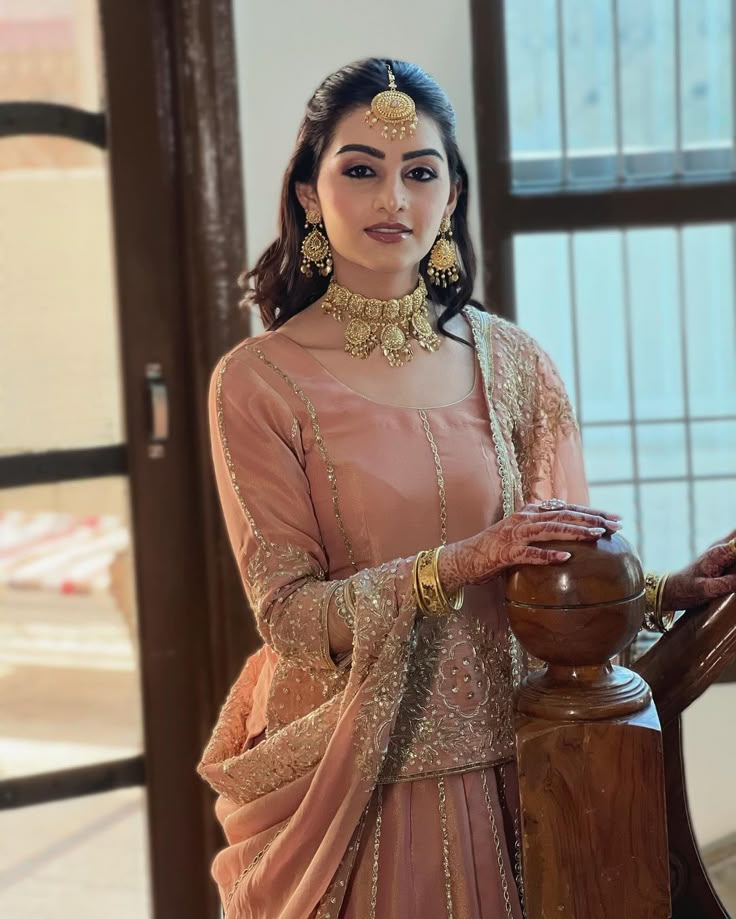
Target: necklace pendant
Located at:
point(389, 324)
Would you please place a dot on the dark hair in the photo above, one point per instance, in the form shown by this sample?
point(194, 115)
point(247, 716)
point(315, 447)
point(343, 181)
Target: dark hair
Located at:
point(279, 288)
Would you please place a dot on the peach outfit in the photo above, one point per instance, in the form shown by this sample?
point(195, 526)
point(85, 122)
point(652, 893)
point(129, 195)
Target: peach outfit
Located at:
point(381, 784)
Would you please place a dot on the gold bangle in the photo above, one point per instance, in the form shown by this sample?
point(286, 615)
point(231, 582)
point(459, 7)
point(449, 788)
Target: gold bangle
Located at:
point(428, 591)
point(655, 620)
point(455, 602)
point(663, 619)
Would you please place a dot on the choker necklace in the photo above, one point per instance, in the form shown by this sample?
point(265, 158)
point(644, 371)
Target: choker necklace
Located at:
point(388, 323)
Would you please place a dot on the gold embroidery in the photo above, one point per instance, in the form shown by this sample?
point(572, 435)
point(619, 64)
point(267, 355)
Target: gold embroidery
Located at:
point(440, 477)
point(228, 457)
point(537, 410)
point(497, 844)
point(483, 336)
point(283, 757)
point(319, 440)
point(376, 850)
point(445, 846)
point(456, 710)
point(331, 903)
point(249, 867)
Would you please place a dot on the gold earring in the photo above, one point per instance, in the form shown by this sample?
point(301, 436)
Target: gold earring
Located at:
point(443, 266)
point(315, 247)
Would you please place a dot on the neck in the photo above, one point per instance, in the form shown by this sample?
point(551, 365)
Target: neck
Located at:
point(375, 284)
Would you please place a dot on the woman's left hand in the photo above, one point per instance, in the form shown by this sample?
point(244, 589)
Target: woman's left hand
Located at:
point(705, 579)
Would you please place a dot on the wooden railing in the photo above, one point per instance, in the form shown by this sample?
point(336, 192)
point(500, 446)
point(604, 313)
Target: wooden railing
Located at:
point(605, 824)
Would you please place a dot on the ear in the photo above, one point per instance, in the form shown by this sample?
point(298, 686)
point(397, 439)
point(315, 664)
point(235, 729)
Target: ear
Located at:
point(307, 196)
point(452, 200)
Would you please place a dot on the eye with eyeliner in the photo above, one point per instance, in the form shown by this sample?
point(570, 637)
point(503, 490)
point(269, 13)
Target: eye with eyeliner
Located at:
point(430, 173)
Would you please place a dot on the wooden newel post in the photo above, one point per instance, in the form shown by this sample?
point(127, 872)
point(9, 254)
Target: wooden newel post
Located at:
point(588, 741)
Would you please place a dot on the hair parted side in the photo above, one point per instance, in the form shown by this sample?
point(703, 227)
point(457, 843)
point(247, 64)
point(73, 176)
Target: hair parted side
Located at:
point(275, 285)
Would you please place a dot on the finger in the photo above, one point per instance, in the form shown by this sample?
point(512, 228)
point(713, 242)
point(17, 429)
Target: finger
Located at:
point(532, 555)
point(545, 532)
point(717, 560)
point(593, 510)
point(720, 587)
point(577, 517)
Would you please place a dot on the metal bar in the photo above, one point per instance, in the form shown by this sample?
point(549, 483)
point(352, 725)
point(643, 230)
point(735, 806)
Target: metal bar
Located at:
point(677, 39)
point(622, 422)
point(620, 165)
point(564, 161)
point(661, 205)
point(22, 118)
point(29, 790)
point(574, 323)
point(626, 273)
point(24, 469)
point(733, 85)
point(682, 309)
point(664, 480)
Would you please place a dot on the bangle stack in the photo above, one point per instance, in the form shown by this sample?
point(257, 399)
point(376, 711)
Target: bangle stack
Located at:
point(655, 618)
point(428, 590)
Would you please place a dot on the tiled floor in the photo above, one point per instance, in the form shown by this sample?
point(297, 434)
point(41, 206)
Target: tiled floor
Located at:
point(70, 696)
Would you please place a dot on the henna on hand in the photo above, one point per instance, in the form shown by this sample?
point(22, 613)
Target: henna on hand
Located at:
point(484, 556)
point(711, 575)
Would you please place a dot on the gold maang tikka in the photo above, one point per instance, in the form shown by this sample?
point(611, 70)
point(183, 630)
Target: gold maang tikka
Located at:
point(395, 110)
point(388, 323)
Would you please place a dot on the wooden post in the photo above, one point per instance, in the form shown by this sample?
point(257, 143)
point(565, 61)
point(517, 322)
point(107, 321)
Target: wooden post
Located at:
point(589, 743)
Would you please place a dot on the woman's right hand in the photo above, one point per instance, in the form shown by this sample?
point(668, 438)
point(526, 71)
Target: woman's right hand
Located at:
point(482, 557)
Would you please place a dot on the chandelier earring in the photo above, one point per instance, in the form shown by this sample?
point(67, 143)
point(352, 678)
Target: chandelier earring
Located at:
point(443, 266)
point(315, 247)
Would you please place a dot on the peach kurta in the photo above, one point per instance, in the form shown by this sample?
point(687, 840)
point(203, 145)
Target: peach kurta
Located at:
point(383, 783)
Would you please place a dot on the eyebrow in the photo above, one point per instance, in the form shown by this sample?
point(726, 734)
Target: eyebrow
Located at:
point(379, 154)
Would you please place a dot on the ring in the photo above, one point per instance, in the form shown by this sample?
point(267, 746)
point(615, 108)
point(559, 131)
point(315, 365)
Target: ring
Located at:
point(552, 504)
point(732, 545)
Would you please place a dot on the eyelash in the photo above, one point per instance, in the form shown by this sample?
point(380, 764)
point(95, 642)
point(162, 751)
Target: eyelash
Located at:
point(431, 174)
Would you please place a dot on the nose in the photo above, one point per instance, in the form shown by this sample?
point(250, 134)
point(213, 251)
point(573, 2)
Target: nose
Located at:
point(391, 196)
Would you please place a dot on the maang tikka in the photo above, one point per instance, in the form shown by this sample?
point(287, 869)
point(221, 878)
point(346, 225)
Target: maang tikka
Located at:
point(315, 247)
point(395, 110)
point(442, 267)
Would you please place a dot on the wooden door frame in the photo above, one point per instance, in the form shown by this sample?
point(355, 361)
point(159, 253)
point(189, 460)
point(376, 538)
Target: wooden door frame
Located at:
point(177, 205)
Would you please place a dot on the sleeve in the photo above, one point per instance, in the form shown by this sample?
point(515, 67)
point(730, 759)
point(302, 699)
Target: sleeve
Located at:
point(553, 465)
point(266, 503)
point(266, 500)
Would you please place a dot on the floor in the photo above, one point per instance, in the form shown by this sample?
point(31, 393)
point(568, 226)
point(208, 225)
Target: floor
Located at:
point(70, 696)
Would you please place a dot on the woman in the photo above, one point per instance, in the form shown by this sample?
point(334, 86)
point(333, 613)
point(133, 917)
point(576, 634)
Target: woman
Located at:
point(383, 454)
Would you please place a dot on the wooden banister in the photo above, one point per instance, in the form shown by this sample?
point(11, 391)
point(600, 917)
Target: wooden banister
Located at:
point(593, 741)
point(690, 658)
point(588, 741)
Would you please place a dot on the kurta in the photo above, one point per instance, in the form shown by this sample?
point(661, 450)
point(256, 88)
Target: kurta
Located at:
point(382, 783)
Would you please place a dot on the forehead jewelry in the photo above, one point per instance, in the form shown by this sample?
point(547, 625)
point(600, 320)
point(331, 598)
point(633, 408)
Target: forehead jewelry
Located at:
point(394, 110)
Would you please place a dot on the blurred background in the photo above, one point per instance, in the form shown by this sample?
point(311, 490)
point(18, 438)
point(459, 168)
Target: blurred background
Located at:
point(141, 153)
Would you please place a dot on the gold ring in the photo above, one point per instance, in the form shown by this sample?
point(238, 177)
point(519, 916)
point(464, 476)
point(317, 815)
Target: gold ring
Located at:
point(732, 545)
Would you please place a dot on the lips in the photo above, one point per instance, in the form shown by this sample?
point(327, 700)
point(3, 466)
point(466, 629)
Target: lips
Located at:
point(388, 232)
point(388, 228)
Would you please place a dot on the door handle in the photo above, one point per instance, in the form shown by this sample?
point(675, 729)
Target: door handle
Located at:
point(158, 411)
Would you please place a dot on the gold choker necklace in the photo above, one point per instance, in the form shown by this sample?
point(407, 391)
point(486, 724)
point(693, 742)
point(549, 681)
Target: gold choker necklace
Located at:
point(388, 323)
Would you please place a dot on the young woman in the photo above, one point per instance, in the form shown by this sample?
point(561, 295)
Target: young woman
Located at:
point(383, 453)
